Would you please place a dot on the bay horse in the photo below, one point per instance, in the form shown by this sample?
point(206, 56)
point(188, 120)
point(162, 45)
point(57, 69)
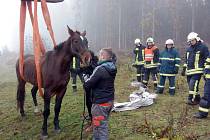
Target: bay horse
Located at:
point(55, 66)
point(85, 68)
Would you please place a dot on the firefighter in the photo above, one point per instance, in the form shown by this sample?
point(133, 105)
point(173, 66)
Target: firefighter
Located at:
point(151, 62)
point(75, 70)
point(204, 104)
point(169, 66)
point(139, 59)
point(194, 66)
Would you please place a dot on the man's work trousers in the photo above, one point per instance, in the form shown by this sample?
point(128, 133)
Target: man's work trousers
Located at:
point(205, 100)
point(161, 85)
point(101, 113)
point(153, 72)
point(74, 80)
point(193, 83)
point(140, 73)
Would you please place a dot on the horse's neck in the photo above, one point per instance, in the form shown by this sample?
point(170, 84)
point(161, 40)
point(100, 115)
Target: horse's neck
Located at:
point(64, 57)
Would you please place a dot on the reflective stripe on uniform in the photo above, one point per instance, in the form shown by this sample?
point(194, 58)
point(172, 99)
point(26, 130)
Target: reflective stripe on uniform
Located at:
point(155, 82)
point(188, 55)
point(177, 65)
point(171, 87)
point(164, 74)
point(197, 56)
point(164, 58)
point(151, 65)
point(139, 62)
point(149, 56)
point(144, 81)
point(137, 57)
point(74, 85)
point(203, 109)
point(207, 67)
point(207, 76)
point(208, 60)
point(195, 71)
point(74, 62)
point(185, 65)
point(198, 69)
point(192, 92)
point(161, 86)
point(142, 52)
point(138, 74)
point(196, 86)
point(177, 58)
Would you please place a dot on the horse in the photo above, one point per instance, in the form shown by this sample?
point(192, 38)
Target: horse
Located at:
point(85, 68)
point(55, 66)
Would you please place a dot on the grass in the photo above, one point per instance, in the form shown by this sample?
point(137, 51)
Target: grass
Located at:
point(129, 125)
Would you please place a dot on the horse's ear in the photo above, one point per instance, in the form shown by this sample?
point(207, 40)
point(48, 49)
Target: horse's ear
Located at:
point(71, 32)
point(84, 33)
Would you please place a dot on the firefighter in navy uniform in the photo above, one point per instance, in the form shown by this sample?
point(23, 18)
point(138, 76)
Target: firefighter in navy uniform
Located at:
point(151, 62)
point(169, 66)
point(194, 66)
point(75, 70)
point(205, 100)
point(139, 59)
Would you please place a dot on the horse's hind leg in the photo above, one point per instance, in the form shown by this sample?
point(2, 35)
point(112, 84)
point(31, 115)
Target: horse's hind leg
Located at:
point(21, 96)
point(33, 93)
point(57, 108)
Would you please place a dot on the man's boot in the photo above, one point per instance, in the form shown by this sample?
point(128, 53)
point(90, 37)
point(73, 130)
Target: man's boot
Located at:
point(199, 116)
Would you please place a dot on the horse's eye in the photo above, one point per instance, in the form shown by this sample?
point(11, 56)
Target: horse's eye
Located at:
point(76, 41)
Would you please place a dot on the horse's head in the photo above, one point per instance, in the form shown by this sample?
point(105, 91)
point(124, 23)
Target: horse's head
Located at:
point(79, 46)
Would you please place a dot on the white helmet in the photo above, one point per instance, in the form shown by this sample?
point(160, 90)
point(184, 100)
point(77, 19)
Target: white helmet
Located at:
point(191, 36)
point(150, 40)
point(137, 41)
point(169, 42)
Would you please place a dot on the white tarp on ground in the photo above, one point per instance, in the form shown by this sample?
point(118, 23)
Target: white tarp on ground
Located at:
point(139, 98)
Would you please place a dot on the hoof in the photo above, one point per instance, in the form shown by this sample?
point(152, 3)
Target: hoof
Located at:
point(57, 131)
point(44, 136)
point(23, 116)
point(36, 110)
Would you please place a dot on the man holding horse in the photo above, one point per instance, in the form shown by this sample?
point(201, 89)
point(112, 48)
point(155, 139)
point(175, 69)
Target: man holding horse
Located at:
point(101, 82)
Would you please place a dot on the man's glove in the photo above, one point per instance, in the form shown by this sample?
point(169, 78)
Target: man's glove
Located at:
point(134, 65)
point(183, 71)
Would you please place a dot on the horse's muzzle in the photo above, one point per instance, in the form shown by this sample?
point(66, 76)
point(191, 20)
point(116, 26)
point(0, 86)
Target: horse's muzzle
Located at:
point(86, 58)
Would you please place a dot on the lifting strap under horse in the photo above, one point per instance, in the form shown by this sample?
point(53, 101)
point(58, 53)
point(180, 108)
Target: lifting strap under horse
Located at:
point(37, 42)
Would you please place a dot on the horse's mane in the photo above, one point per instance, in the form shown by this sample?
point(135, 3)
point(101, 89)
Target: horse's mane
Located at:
point(78, 32)
point(59, 46)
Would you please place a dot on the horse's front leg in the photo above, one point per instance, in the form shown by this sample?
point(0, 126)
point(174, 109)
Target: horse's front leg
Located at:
point(46, 113)
point(33, 93)
point(58, 102)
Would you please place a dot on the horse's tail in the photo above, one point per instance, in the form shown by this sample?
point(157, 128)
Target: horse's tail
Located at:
point(20, 89)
